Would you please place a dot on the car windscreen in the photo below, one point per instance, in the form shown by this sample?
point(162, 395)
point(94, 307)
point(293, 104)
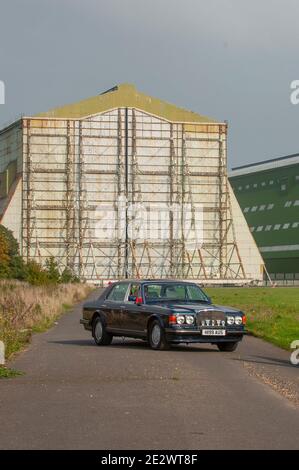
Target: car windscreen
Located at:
point(163, 292)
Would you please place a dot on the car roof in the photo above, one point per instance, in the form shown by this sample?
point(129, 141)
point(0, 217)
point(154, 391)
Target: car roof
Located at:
point(160, 281)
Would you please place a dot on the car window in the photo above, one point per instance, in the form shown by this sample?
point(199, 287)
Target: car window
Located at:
point(195, 293)
point(173, 291)
point(134, 292)
point(169, 291)
point(152, 291)
point(118, 292)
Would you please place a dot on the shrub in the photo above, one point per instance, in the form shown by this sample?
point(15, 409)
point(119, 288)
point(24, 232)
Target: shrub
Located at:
point(12, 265)
point(52, 271)
point(35, 274)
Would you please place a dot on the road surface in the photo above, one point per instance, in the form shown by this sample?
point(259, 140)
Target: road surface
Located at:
point(75, 395)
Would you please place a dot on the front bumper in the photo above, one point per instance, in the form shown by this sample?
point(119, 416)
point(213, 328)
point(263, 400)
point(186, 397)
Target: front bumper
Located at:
point(196, 336)
point(86, 324)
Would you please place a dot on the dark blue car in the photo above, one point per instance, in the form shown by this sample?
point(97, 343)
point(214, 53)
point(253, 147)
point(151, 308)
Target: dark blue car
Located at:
point(162, 312)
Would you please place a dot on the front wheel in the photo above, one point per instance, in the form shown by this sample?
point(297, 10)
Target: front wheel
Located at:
point(156, 337)
point(99, 333)
point(228, 347)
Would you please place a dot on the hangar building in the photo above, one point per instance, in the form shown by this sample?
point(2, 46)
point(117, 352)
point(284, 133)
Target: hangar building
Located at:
point(109, 186)
point(268, 194)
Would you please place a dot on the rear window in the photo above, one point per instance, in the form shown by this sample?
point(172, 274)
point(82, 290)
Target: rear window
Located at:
point(118, 292)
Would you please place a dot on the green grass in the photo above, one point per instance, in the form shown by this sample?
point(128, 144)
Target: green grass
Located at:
point(6, 373)
point(272, 313)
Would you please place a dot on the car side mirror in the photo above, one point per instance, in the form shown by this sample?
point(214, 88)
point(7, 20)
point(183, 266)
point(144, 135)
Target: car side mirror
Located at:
point(139, 301)
point(210, 300)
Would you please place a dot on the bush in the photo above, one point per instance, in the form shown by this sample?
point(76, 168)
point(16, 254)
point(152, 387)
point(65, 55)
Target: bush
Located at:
point(11, 263)
point(35, 274)
point(52, 271)
point(67, 276)
point(12, 266)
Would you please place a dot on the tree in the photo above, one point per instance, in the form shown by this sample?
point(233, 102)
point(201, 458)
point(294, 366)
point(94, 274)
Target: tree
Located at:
point(4, 255)
point(35, 274)
point(52, 270)
point(11, 264)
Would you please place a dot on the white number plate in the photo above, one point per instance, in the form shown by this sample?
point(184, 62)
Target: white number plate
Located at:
point(214, 332)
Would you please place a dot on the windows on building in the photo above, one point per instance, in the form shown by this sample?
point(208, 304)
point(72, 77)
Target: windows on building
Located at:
point(270, 206)
point(285, 226)
point(277, 226)
point(260, 228)
point(268, 228)
point(288, 204)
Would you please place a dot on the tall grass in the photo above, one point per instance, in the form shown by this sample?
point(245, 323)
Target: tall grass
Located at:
point(25, 308)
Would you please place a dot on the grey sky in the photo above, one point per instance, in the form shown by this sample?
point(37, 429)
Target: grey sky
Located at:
point(228, 59)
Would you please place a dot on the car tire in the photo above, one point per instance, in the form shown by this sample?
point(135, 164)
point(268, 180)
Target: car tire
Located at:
point(156, 337)
point(99, 333)
point(228, 347)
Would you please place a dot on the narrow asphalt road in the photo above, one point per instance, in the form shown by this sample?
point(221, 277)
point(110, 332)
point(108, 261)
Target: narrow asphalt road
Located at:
point(75, 395)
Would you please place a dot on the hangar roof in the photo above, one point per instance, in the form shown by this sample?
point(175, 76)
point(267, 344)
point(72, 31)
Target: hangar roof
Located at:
point(125, 95)
point(271, 164)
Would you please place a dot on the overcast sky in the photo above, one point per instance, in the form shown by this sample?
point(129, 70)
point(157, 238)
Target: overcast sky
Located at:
point(229, 59)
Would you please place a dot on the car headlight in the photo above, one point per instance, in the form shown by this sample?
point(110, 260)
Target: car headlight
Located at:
point(230, 320)
point(180, 319)
point(189, 319)
point(238, 320)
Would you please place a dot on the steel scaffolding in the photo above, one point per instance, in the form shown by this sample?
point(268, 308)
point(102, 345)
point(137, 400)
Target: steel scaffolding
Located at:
point(75, 170)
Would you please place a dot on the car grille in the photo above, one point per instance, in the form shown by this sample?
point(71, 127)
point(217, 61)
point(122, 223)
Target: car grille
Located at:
point(210, 318)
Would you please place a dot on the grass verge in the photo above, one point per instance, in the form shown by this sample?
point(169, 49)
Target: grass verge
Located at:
point(25, 309)
point(272, 313)
point(6, 373)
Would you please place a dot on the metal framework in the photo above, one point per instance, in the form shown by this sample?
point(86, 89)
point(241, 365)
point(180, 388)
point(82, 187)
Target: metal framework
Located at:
point(74, 171)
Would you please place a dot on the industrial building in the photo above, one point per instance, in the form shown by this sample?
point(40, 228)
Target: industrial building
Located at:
point(268, 193)
point(70, 177)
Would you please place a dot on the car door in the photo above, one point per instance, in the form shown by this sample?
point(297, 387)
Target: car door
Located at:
point(135, 314)
point(114, 306)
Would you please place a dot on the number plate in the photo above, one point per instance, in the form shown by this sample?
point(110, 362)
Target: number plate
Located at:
point(213, 332)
